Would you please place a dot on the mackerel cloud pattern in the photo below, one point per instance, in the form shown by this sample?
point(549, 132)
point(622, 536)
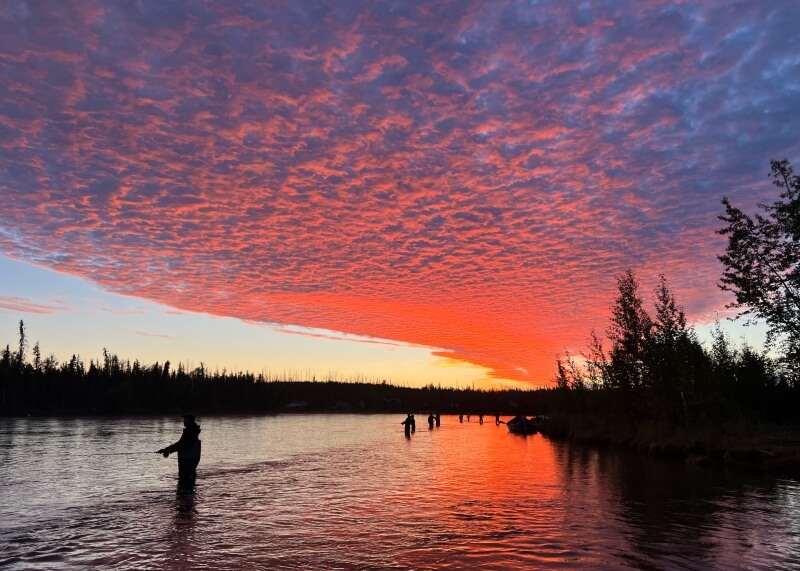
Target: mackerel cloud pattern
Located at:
point(468, 175)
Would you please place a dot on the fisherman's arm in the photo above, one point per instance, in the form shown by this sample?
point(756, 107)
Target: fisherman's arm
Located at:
point(167, 450)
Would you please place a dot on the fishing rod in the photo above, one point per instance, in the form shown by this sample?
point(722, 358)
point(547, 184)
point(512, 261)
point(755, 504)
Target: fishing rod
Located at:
point(118, 453)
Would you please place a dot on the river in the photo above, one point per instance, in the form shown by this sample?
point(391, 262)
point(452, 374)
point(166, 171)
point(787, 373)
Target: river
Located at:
point(352, 492)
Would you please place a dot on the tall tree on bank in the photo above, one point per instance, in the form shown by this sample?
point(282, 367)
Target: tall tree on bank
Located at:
point(629, 333)
point(668, 345)
point(23, 346)
point(762, 263)
point(677, 360)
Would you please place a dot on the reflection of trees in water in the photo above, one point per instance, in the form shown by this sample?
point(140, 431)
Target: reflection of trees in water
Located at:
point(665, 512)
point(7, 436)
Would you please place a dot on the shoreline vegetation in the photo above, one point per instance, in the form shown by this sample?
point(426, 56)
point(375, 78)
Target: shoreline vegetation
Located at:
point(741, 443)
point(655, 389)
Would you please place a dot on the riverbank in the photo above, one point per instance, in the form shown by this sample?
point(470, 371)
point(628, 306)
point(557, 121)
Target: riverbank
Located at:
point(762, 446)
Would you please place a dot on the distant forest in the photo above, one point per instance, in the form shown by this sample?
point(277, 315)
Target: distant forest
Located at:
point(30, 384)
point(655, 368)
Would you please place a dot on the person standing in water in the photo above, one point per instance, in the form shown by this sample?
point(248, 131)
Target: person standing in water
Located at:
point(408, 423)
point(188, 449)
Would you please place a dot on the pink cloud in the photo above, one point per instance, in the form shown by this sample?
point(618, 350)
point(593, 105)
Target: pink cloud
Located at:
point(24, 305)
point(463, 176)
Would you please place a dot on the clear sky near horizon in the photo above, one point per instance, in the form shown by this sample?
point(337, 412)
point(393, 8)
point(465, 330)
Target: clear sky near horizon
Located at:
point(419, 192)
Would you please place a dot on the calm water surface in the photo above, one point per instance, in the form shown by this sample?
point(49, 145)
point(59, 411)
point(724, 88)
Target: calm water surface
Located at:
point(351, 492)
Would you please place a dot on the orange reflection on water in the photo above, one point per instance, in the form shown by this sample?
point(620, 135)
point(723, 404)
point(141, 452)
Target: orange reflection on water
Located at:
point(501, 464)
point(483, 492)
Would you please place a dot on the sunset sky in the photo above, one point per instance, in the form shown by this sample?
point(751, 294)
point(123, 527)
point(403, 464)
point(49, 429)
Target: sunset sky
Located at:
point(424, 192)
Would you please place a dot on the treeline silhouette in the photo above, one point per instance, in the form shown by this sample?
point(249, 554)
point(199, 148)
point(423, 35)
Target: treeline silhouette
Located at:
point(657, 370)
point(31, 384)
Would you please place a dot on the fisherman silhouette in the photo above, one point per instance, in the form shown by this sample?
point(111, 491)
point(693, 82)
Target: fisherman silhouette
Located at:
point(409, 423)
point(188, 449)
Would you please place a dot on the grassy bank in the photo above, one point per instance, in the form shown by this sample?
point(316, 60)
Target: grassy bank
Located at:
point(741, 443)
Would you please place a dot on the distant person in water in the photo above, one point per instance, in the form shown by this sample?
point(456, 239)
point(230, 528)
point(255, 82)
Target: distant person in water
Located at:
point(188, 449)
point(438, 419)
point(497, 419)
point(461, 418)
point(430, 420)
point(408, 423)
point(480, 418)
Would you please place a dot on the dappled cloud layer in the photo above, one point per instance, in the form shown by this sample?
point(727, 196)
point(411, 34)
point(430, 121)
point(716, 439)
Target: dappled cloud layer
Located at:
point(468, 176)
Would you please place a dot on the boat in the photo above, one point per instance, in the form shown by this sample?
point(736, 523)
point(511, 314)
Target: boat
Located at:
point(522, 425)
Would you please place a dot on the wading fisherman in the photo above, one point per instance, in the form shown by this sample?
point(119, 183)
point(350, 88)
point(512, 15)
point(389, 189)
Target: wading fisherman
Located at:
point(408, 423)
point(188, 449)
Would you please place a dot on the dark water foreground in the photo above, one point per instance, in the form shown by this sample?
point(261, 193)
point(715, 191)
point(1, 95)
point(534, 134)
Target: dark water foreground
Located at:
point(351, 492)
